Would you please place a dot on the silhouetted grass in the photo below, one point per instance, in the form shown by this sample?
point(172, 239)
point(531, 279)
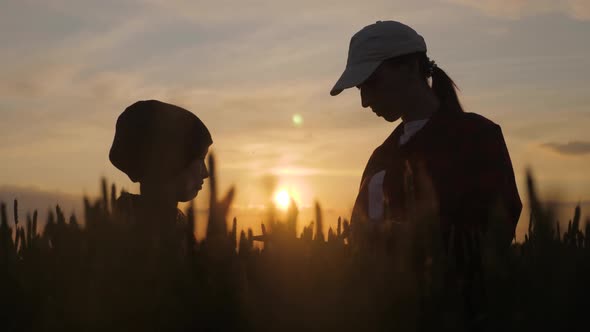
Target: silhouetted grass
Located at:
point(116, 274)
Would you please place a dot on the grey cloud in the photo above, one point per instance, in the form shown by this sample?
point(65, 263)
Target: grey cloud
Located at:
point(577, 9)
point(571, 148)
point(331, 10)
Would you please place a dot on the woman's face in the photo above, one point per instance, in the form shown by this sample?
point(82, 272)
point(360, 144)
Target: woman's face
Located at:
point(190, 180)
point(388, 90)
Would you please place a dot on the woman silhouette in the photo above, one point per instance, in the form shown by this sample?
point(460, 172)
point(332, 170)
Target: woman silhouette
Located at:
point(163, 147)
point(439, 162)
point(440, 156)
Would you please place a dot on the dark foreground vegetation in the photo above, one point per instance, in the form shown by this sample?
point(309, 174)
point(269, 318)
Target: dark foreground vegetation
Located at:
point(110, 274)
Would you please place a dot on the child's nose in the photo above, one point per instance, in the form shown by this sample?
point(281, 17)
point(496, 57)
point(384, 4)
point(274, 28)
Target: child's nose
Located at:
point(204, 171)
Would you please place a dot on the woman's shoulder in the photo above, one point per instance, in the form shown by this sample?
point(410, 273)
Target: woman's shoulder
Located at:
point(478, 119)
point(469, 123)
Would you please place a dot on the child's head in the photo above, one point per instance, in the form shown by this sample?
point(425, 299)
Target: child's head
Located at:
point(162, 146)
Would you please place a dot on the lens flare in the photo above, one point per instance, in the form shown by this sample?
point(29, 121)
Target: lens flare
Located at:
point(297, 120)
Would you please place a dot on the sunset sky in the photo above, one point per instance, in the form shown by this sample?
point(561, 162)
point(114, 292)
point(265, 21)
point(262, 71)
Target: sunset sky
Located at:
point(246, 68)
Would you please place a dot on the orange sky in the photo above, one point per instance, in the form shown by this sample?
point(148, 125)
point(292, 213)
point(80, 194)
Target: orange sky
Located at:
point(69, 68)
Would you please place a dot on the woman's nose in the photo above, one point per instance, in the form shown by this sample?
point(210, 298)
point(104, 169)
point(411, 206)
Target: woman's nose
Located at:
point(364, 98)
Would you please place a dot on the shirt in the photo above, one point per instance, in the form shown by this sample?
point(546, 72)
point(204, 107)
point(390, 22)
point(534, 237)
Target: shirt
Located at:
point(376, 198)
point(465, 160)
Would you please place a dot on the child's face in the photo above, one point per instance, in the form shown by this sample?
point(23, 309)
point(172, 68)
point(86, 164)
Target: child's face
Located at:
point(190, 180)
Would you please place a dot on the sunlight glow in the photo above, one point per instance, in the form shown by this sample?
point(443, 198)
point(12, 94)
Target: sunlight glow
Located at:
point(282, 199)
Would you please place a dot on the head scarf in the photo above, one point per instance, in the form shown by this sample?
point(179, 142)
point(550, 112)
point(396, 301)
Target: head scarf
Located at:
point(155, 140)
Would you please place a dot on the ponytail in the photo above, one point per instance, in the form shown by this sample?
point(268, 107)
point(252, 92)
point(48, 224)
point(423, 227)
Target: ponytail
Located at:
point(442, 85)
point(445, 89)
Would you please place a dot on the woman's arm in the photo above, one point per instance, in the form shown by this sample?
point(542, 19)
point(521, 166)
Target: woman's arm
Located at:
point(493, 185)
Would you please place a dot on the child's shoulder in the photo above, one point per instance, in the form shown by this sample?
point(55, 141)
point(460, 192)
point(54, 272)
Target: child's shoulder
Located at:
point(127, 202)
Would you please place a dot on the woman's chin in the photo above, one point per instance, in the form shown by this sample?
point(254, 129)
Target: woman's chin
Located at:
point(390, 117)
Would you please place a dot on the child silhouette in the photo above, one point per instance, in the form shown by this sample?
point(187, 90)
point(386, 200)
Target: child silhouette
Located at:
point(163, 147)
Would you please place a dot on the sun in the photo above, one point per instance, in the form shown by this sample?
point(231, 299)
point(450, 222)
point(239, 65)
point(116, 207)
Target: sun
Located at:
point(282, 199)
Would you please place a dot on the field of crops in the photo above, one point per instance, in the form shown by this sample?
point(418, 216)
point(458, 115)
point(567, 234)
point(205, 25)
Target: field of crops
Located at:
point(106, 273)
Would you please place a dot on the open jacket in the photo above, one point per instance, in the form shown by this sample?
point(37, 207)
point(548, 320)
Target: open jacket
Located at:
point(457, 163)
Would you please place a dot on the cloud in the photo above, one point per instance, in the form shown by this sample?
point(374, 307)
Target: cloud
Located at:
point(580, 9)
point(515, 9)
point(571, 148)
point(283, 11)
point(304, 171)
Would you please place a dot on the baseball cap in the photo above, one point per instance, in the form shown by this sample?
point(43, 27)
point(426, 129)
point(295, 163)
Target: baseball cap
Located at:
point(371, 46)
